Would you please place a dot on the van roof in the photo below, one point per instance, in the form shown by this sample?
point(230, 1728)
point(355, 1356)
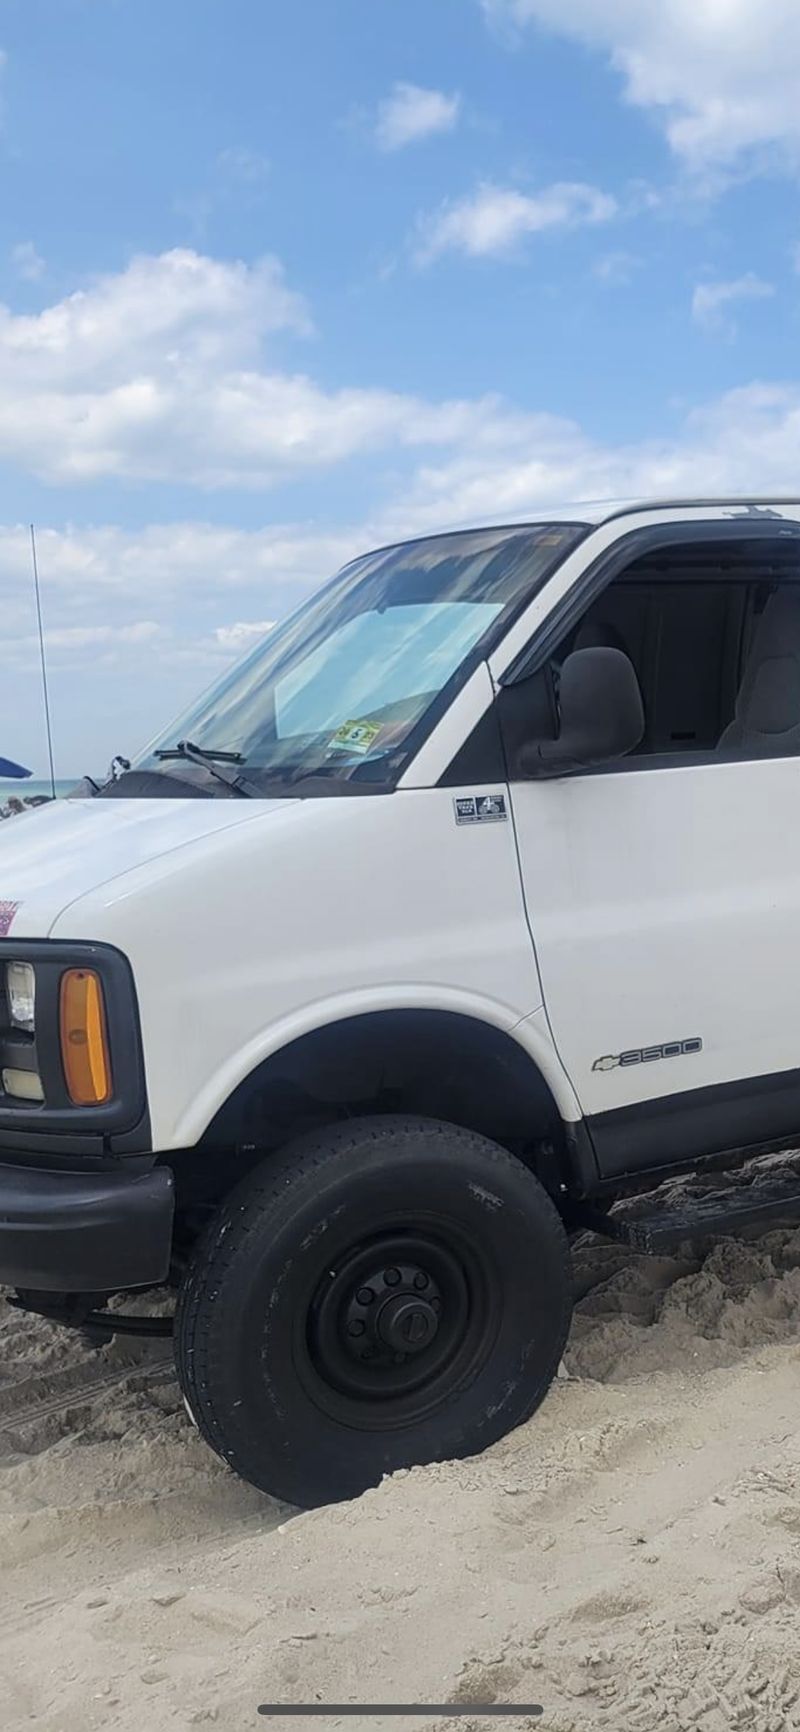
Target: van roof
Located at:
point(589, 513)
point(594, 511)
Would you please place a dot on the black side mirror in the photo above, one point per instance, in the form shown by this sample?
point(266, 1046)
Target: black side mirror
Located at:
point(601, 715)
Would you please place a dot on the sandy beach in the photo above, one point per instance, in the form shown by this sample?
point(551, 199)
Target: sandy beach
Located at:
point(630, 1559)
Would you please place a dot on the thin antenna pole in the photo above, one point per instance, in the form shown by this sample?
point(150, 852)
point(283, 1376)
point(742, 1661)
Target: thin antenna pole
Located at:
point(45, 693)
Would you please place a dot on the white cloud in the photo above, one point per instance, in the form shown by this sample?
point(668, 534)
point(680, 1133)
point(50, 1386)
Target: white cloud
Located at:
point(27, 262)
point(178, 307)
point(711, 301)
point(137, 621)
point(411, 113)
point(194, 574)
point(494, 218)
point(81, 636)
point(238, 637)
point(721, 75)
point(157, 374)
point(745, 442)
point(79, 645)
point(105, 569)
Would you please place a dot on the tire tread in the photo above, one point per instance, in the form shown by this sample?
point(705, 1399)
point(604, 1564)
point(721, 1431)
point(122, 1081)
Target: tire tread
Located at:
point(241, 1218)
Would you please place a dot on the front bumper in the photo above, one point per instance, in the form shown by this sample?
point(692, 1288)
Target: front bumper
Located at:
point(70, 1231)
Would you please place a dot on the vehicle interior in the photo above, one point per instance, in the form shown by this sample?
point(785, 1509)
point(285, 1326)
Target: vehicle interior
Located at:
point(714, 635)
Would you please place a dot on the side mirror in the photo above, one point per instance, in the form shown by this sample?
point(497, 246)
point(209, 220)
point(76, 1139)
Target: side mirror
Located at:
point(601, 716)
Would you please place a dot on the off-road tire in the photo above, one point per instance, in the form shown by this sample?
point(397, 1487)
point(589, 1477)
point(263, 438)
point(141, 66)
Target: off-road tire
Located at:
point(374, 1235)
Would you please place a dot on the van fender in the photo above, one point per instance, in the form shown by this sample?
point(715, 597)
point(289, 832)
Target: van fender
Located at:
point(531, 1033)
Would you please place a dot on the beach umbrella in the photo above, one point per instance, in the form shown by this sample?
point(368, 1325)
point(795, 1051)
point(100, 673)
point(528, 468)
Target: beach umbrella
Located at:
point(14, 771)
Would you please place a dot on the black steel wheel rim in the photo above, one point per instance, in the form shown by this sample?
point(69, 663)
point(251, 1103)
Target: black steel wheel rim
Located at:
point(396, 1322)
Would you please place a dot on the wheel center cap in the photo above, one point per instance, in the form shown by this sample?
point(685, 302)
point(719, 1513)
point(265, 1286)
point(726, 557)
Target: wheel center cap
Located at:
point(407, 1323)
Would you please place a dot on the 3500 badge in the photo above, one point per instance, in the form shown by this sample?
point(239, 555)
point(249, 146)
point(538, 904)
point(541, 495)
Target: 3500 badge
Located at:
point(649, 1054)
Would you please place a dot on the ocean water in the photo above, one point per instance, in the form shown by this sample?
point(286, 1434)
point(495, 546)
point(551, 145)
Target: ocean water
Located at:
point(17, 796)
point(25, 790)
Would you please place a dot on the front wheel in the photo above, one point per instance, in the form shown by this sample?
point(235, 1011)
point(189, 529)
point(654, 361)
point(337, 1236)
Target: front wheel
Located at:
point(387, 1292)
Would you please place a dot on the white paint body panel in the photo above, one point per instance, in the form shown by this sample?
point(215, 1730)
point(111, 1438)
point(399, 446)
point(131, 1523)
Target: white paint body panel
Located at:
point(311, 911)
point(615, 911)
point(51, 856)
point(665, 905)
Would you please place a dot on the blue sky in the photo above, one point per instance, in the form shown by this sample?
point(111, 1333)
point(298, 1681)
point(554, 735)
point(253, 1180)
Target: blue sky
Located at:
point(279, 283)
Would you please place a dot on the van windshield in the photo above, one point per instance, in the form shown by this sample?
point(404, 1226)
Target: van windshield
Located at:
point(344, 687)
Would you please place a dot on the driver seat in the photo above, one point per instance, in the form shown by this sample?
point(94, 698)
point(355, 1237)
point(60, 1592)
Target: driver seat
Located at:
point(766, 720)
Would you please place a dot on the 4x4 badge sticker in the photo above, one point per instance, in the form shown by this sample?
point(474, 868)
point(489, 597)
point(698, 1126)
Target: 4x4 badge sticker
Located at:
point(480, 809)
point(7, 912)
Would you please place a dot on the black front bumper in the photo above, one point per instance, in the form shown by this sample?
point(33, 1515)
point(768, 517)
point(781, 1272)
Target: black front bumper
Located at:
point(70, 1231)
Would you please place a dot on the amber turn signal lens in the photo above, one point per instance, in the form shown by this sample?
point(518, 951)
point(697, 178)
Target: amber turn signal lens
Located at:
point(84, 1043)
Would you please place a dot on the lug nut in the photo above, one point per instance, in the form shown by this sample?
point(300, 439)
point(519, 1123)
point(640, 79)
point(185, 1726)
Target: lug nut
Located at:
point(420, 1281)
point(365, 1296)
point(355, 1328)
point(391, 1277)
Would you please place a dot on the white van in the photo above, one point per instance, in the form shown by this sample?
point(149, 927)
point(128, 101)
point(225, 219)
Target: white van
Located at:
point(466, 904)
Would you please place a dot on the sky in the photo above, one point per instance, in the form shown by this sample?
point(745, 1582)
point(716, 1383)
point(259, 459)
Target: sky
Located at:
point(281, 283)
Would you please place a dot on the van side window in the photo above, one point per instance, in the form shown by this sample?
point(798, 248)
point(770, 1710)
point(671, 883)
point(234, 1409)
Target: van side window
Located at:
point(716, 647)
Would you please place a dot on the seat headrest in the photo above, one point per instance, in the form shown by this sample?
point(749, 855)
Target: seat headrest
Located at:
point(599, 634)
point(768, 705)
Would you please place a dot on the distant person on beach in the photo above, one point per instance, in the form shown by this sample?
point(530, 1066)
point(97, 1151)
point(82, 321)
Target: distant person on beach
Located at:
point(14, 804)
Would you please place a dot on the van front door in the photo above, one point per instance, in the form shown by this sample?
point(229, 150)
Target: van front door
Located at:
point(663, 893)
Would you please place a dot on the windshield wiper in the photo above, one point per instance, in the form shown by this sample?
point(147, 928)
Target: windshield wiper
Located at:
point(214, 761)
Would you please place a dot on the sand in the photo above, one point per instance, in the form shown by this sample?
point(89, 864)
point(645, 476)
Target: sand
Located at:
point(630, 1559)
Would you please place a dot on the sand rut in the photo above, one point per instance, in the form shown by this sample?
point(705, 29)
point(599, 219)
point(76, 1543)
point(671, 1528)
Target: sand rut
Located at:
point(629, 1558)
point(37, 1400)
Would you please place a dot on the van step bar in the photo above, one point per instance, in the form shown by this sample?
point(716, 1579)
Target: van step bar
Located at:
point(669, 1223)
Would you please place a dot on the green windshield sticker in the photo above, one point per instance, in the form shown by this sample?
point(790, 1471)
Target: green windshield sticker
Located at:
point(355, 737)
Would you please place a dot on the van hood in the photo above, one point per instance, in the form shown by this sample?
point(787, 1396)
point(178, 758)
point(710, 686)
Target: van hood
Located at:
point(52, 855)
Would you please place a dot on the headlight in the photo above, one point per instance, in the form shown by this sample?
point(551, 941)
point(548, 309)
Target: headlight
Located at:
point(21, 993)
point(71, 1060)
